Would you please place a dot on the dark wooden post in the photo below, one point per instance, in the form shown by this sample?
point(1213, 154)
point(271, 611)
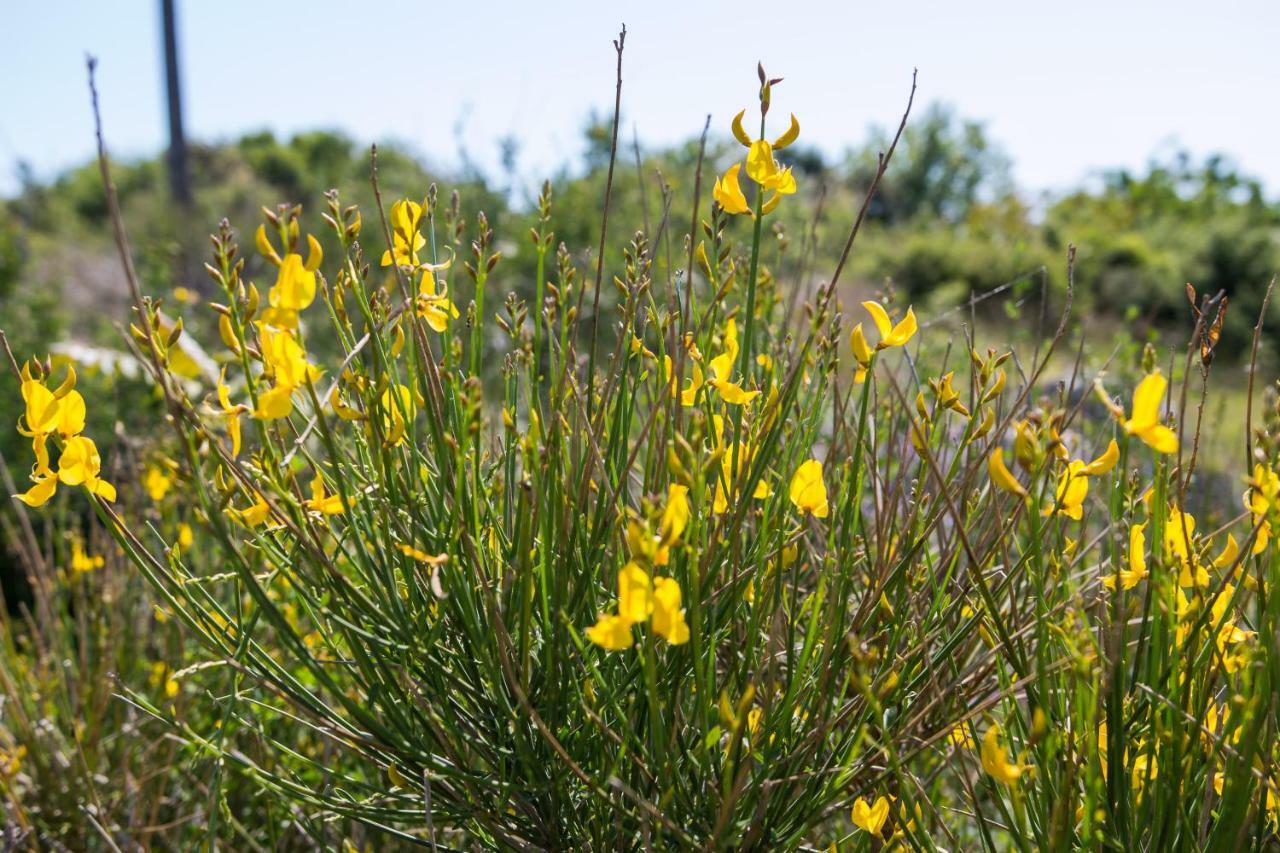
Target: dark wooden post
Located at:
point(179, 183)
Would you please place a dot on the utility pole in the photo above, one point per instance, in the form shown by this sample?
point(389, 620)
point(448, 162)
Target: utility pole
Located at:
point(179, 183)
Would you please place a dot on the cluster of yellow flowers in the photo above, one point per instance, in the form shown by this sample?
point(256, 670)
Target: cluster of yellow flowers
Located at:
point(720, 367)
point(762, 168)
point(82, 562)
point(432, 303)
point(641, 596)
point(1073, 484)
point(58, 414)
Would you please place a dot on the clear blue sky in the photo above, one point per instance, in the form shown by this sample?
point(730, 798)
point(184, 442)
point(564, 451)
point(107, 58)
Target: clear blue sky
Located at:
point(1065, 87)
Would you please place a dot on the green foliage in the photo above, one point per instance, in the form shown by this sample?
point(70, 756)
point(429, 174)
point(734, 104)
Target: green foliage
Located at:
point(384, 616)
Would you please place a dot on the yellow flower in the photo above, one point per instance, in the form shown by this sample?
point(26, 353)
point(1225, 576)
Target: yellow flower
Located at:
point(722, 369)
point(641, 599)
point(946, 394)
point(611, 632)
point(731, 392)
point(1001, 477)
point(891, 335)
point(44, 479)
point(1137, 570)
point(254, 515)
point(71, 414)
point(1073, 488)
point(41, 416)
point(728, 192)
point(285, 361)
point(80, 465)
point(668, 616)
point(341, 408)
point(1144, 766)
point(1026, 446)
point(82, 562)
point(762, 168)
point(323, 503)
point(689, 394)
point(995, 759)
point(728, 479)
point(157, 481)
point(185, 535)
point(405, 237)
point(870, 818)
point(61, 411)
point(1261, 500)
point(433, 303)
point(398, 410)
point(808, 491)
point(295, 287)
point(230, 412)
point(675, 518)
point(961, 737)
point(11, 761)
point(1180, 544)
point(728, 476)
point(1145, 420)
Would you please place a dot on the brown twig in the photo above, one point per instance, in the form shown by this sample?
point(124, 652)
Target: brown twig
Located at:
point(618, 45)
point(1253, 369)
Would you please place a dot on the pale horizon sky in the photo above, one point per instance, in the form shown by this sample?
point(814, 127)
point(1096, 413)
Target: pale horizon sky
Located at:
point(1066, 89)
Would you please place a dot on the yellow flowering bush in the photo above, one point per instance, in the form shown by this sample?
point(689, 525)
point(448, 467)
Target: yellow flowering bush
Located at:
point(692, 570)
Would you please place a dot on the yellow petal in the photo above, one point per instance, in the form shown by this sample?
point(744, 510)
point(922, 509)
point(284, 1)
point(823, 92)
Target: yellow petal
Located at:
point(1230, 552)
point(728, 192)
point(611, 632)
point(275, 404)
point(792, 134)
point(734, 395)
point(782, 182)
point(858, 341)
point(79, 462)
point(1147, 398)
point(668, 617)
point(1001, 476)
point(675, 515)
point(39, 494)
point(1138, 549)
point(770, 204)
point(635, 593)
point(315, 254)
point(902, 332)
point(1105, 462)
point(71, 414)
point(103, 489)
point(761, 166)
point(808, 491)
point(264, 245)
point(738, 132)
point(1159, 438)
point(881, 318)
point(42, 407)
